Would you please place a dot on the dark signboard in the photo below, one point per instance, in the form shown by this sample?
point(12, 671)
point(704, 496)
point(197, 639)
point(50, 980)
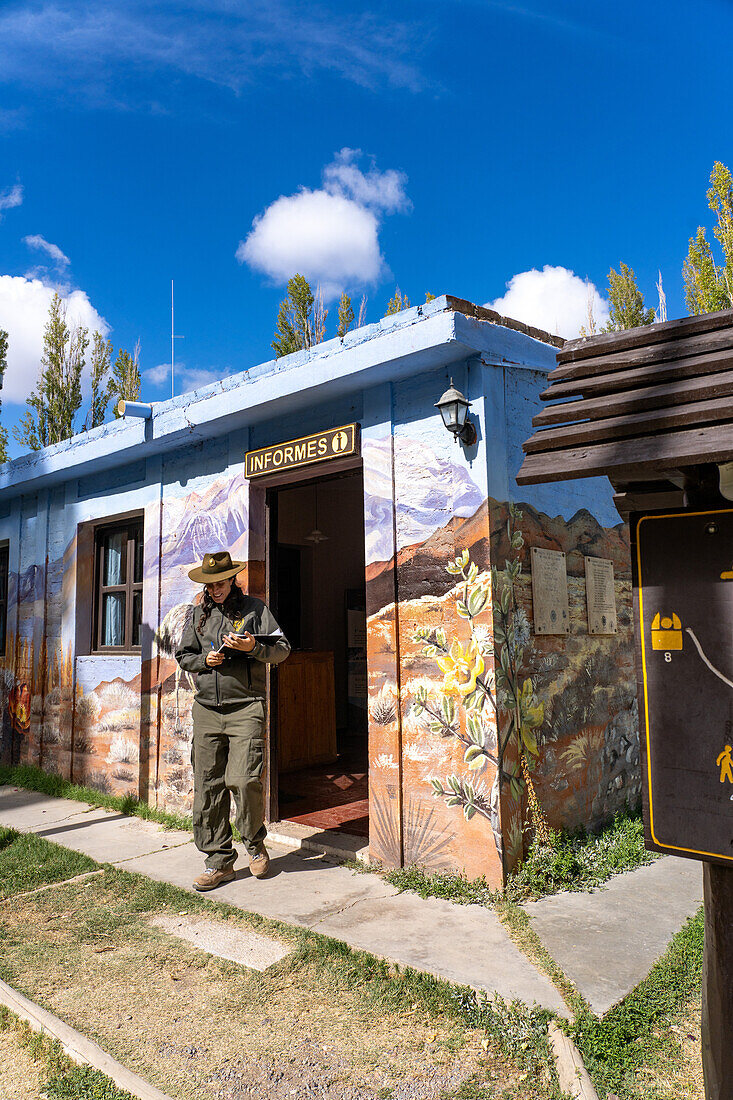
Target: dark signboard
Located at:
point(320, 447)
point(684, 567)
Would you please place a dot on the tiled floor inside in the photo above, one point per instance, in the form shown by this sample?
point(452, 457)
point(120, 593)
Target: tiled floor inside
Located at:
point(329, 796)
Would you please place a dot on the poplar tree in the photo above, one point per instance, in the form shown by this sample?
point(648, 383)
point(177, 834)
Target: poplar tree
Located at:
point(346, 315)
point(709, 285)
point(294, 329)
point(3, 365)
point(101, 385)
point(125, 381)
point(53, 405)
point(397, 303)
point(626, 302)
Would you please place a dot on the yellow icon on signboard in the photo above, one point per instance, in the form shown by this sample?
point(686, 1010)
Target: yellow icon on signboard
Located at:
point(727, 575)
point(725, 762)
point(666, 632)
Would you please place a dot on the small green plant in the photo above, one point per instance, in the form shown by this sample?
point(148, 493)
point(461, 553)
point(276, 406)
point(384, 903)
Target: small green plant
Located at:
point(580, 860)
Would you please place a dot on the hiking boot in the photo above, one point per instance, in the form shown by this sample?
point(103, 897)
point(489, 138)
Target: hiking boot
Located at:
point(259, 864)
point(213, 877)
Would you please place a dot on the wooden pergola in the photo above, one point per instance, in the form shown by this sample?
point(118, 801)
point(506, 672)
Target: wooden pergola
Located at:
point(650, 408)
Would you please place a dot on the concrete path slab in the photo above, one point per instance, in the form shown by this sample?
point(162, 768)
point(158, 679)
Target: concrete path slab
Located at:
point(608, 941)
point(237, 944)
point(464, 944)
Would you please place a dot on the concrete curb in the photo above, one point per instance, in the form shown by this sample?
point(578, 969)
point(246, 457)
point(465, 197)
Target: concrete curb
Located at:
point(571, 1073)
point(80, 1049)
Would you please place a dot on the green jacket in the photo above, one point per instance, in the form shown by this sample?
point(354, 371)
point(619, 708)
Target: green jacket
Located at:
point(241, 677)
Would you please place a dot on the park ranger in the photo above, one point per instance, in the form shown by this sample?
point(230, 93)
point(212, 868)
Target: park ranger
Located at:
point(229, 640)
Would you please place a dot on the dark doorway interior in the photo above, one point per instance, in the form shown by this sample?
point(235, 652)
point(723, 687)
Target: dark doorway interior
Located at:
point(321, 720)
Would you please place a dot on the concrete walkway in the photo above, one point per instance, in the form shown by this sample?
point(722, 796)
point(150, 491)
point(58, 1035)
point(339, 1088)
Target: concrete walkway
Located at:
point(606, 942)
point(465, 944)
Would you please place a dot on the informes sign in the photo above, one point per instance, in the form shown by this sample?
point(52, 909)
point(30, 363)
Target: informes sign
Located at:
point(684, 567)
point(549, 591)
point(320, 447)
point(601, 596)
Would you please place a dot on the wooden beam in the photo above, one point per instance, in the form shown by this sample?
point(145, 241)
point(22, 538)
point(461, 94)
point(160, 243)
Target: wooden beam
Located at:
point(631, 459)
point(631, 424)
point(648, 374)
point(658, 501)
point(589, 346)
point(677, 392)
point(703, 344)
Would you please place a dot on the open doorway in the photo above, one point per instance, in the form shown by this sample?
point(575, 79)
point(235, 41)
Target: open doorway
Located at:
point(317, 590)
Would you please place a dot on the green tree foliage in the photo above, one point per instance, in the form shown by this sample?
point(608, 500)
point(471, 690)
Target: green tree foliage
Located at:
point(399, 302)
point(294, 329)
point(53, 406)
point(3, 365)
point(708, 285)
point(346, 315)
point(101, 385)
point(125, 381)
point(429, 297)
point(626, 301)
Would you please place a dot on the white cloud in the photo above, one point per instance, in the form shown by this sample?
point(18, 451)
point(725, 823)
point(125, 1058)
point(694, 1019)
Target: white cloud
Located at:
point(380, 190)
point(100, 51)
point(11, 198)
point(24, 305)
point(35, 240)
point(186, 378)
point(330, 235)
point(554, 299)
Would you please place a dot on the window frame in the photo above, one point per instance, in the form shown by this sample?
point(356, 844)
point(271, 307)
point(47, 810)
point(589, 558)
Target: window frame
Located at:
point(133, 526)
point(4, 585)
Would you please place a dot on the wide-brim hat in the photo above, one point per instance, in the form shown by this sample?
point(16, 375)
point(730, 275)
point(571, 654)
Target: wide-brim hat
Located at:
point(217, 566)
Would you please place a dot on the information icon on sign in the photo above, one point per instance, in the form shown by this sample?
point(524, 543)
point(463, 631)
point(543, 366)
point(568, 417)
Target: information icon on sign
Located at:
point(666, 632)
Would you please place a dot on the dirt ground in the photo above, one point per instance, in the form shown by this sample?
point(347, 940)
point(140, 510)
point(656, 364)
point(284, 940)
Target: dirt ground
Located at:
point(20, 1076)
point(198, 1026)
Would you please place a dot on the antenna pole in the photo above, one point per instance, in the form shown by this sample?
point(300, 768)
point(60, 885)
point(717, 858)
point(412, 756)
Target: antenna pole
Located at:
point(174, 337)
point(173, 389)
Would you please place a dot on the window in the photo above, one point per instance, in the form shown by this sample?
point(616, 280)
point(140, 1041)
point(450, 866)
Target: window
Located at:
point(118, 605)
point(3, 597)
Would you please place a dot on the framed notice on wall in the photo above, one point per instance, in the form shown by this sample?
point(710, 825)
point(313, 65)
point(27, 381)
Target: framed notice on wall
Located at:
point(601, 596)
point(549, 591)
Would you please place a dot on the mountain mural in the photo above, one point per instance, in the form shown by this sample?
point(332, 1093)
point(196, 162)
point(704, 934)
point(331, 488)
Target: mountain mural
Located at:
point(431, 490)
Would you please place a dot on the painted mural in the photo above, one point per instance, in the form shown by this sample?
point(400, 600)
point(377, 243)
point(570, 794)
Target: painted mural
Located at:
point(480, 732)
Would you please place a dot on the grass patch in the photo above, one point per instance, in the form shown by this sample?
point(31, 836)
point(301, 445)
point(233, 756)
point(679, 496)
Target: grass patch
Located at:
point(623, 1050)
point(175, 1015)
point(64, 1080)
point(33, 779)
point(581, 861)
point(28, 861)
point(573, 861)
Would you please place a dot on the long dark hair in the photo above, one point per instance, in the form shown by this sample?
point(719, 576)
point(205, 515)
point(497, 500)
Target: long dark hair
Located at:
point(233, 606)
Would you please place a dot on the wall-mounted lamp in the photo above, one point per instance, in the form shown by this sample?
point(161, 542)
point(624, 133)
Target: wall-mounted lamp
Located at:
point(454, 410)
point(725, 472)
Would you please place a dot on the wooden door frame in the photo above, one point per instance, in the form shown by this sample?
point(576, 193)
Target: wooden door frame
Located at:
point(272, 484)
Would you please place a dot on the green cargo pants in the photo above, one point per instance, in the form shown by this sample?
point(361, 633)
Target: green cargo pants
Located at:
point(227, 754)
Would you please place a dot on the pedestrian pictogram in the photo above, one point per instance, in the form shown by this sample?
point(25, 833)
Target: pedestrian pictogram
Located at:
point(666, 632)
point(725, 762)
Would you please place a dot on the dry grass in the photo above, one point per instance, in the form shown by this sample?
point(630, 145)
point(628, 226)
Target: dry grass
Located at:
point(21, 1077)
point(198, 1026)
point(677, 1075)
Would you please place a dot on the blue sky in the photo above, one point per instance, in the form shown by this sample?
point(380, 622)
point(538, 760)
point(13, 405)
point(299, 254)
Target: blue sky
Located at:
point(447, 147)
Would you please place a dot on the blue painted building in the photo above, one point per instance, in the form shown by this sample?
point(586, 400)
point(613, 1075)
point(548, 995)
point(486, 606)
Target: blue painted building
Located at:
point(393, 720)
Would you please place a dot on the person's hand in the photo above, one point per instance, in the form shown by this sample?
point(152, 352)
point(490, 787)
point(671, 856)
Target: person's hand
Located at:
point(245, 643)
point(212, 659)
